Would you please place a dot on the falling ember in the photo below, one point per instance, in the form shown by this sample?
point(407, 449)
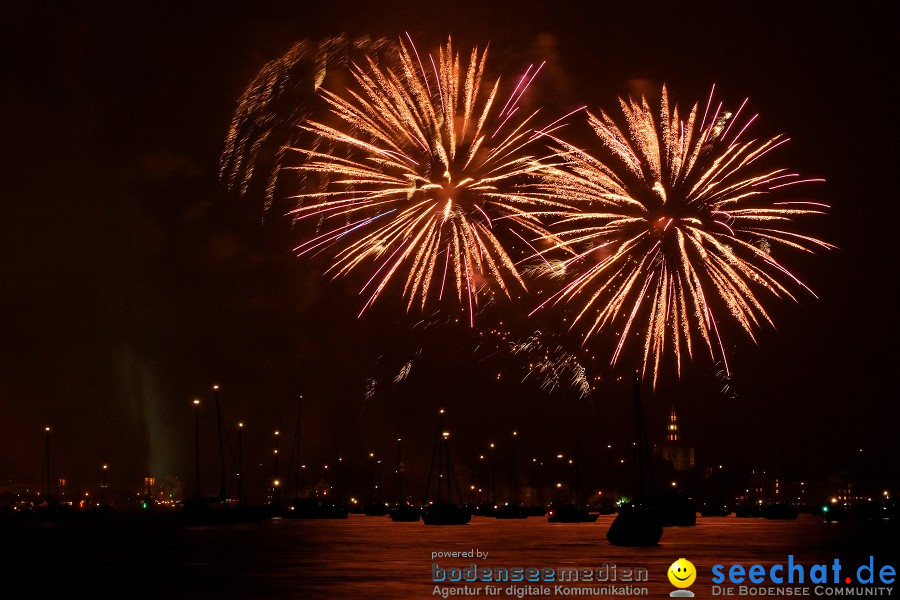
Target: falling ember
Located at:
point(420, 176)
point(688, 221)
point(404, 371)
point(371, 386)
point(551, 364)
point(539, 357)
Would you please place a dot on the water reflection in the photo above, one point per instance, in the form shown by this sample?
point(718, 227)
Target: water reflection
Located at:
point(373, 557)
point(369, 557)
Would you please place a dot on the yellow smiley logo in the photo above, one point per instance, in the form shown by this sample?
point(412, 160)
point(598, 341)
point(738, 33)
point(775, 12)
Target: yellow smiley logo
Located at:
point(682, 573)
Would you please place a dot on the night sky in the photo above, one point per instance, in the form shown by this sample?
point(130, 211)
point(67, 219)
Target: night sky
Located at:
point(133, 280)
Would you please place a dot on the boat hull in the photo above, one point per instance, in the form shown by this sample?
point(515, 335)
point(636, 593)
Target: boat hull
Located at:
point(635, 525)
point(446, 514)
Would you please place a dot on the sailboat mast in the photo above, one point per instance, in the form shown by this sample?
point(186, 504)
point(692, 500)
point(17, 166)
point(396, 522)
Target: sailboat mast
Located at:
point(295, 450)
point(638, 447)
point(400, 498)
point(223, 492)
point(339, 474)
point(196, 450)
point(513, 492)
point(577, 498)
point(440, 454)
point(642, 448)
point(240, 464)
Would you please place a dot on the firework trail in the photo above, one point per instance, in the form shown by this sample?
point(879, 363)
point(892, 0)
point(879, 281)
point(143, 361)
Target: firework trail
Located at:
point(675, 227)
point(370, 388)
point(404, 371)
point(426, 173)
point(551, 364)
point(282, 95)
point(539, 356)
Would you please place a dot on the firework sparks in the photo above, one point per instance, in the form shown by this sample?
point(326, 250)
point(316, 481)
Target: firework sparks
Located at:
point(424, 177)
point(540, 357)
point(680, 227)
point(404, 371)
point(282, 95)
point(552, 365)
point(370, 388)
point(546, 269)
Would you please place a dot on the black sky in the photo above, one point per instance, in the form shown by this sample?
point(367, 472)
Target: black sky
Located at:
point(132, 280)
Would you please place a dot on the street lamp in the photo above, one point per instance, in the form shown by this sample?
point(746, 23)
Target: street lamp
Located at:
point(103, 485)
point(512, 472)
point(197, 448)
point(559, 476)
point(493, 477)
point(372, 495)
point(240, 462)
point(482, 473)
point(49, 495)
point(222, 491)
point(275, 470)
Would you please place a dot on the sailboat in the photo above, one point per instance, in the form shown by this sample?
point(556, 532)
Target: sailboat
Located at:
point(441, 511)
point(637, 523)
point(402, 511)
point(573, 513)
point(376, 507)
point(219, 510)
point(305, 506)
point(512, 508)
point(780, 510)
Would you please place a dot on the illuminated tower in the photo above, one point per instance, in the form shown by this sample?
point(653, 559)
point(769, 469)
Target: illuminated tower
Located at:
point(673, 450)
point(672, 430)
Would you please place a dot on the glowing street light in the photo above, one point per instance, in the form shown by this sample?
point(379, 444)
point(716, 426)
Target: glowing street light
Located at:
point(240, 462)
point(47, 464)
point(196, 403)
point(103, 486)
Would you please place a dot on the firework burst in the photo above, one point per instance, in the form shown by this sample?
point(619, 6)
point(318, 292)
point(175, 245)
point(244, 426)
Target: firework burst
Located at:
point(282, 95)
point(423, 178)
point(676, 227)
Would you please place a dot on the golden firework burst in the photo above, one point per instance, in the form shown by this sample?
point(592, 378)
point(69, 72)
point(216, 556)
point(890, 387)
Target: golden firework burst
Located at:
point(423, 177)
point(676, 223)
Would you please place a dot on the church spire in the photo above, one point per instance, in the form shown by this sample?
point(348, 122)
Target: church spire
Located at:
point(672, 429)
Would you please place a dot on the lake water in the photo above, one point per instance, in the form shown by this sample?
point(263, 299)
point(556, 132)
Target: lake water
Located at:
point(372, 557)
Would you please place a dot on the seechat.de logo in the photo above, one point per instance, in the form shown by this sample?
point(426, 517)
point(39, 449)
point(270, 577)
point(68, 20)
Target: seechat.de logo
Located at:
point(682, 574)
